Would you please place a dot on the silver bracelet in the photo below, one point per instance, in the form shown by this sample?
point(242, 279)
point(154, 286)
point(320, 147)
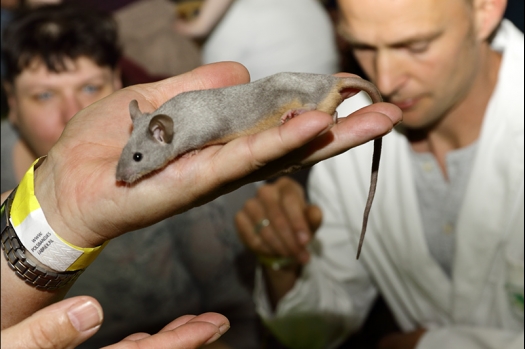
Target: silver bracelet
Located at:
point(25, 268)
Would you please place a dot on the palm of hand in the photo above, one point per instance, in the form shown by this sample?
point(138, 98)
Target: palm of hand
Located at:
point(87, 206)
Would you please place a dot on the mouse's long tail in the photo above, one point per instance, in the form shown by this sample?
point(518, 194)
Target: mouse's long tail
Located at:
point(361, 84)
point(375, 95)
point(371, 193)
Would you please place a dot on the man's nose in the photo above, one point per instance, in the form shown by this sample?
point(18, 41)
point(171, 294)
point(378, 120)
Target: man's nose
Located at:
point(390, 75)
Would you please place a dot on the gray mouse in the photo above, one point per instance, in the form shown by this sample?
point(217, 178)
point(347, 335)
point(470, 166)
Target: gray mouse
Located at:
point(195, 119)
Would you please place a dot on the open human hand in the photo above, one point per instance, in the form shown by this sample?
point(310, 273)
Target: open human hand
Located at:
point(85, 204)
point(70, 322)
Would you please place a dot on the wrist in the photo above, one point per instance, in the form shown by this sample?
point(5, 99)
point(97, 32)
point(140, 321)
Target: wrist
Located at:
point(276, 263)
point(22, 263)
point(46, 192)
point(279, 282)
point(28, 224)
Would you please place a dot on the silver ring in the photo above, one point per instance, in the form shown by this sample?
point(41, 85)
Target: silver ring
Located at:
point(259, 226)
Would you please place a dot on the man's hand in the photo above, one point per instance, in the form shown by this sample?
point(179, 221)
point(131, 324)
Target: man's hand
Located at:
point(70, 322)
point(278, 222)
point(85, 204)
point(277, 226)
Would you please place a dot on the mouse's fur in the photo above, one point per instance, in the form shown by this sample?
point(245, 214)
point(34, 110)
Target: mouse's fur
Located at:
point(192, 120)
point(216, 116)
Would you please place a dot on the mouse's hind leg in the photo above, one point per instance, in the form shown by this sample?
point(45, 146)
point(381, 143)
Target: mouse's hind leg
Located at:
point(290, 114)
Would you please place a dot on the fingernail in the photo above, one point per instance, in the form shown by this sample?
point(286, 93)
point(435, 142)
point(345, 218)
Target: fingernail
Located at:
point(223, 329)
point(303, 237)
point(85, 316)
point(213, 338)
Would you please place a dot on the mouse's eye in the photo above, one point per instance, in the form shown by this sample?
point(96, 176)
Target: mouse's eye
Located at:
point(137, 157)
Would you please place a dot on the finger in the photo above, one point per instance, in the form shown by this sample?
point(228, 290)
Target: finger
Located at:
point(315, 217)
point(196, 332)
point(216, 319)
point(189, 335)
point(297, 212)
point(65, 324)
point(253, 241)
point(137, 336)
point(294, 203)
point(257, 210)
point(389, 110)
point(368, 123)
point(252, 153)
point(303, 141)
point(360, 127)
point(181, 320)
point(276, 201)
point(281, 204)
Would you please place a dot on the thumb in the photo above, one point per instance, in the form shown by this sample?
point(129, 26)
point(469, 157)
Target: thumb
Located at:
point(62, 325)
point(314, 216)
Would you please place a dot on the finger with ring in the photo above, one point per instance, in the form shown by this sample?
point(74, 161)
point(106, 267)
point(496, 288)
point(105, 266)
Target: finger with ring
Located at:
point(262, 224)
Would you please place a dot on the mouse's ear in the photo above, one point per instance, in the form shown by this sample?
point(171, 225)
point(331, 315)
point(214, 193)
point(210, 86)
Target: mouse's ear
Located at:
point(134, 110)
point(161, 128)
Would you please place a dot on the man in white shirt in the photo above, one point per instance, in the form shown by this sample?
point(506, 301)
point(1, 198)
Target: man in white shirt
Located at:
point(444, 245)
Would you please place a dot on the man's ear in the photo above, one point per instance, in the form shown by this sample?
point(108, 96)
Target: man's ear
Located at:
point(11, 102)
point(488, 15)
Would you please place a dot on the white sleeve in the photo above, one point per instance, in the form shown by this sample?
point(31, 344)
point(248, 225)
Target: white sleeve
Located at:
point(463, 337)
point(334, 293)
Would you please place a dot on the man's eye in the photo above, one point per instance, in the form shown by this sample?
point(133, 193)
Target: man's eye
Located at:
point(362, 48)
point(91, 88)
point(44, 96)
point(418, 47)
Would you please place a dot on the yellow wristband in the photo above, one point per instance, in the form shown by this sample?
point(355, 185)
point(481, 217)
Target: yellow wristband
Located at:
point(37, 236)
